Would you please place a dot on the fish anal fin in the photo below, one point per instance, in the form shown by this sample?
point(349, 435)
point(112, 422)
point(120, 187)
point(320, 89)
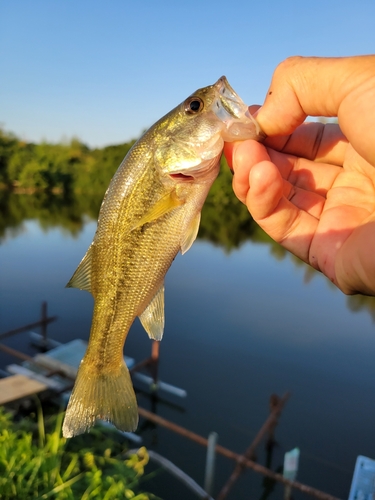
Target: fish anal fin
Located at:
point(82, 276)
point(163, 206)
point(191, 234)
point(105, 396)
point(152, 318)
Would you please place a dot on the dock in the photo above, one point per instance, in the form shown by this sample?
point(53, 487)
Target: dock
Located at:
point(16, 387)
point(55, 371)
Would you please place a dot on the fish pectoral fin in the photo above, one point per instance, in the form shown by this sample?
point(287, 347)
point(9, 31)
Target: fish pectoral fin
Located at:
point(166, 204)
point(82, 276)
point(191, 234)
point(152, 318)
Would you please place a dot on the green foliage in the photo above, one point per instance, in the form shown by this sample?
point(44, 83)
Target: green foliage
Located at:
point(22, 156)
point(61, 168)
point(80, 176)
point(105, 163)
point(359, 303)
point(8, 147)
point(40, 464)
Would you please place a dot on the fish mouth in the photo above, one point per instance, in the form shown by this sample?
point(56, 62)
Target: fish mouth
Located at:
point(201, 172)
point(181, 177)
point(234, 113)
point(229, 103)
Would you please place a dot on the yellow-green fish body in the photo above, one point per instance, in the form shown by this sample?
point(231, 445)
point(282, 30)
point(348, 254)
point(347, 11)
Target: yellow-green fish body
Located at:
point(150, 212)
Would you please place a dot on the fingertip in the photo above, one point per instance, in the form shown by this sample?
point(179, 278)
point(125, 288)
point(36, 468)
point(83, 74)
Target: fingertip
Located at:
point(268, 119)
point(264, 176)
point(228, 153)
point(248, 153)
point(245, 156)
point(254, 109)
point(281, 111)
point(237, 153)
point(266, 189)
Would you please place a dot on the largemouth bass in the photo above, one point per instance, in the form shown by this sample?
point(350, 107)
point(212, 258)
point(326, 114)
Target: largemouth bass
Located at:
point(150, 212)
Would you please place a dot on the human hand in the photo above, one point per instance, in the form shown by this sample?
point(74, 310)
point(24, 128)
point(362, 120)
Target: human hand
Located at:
point(311, 186)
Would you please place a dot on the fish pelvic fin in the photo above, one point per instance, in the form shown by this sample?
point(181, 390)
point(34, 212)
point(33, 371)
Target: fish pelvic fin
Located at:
point(152, 318)
point(106, 396)
point(191, 234)
point(82, 276)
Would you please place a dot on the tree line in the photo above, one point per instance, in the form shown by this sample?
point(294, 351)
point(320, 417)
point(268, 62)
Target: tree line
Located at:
point(68, 181)
point(70, 167)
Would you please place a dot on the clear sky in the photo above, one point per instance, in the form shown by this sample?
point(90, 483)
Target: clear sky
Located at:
point(103, 71)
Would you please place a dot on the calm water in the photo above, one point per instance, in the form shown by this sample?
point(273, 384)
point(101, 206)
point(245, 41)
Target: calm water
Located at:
point(239, 327)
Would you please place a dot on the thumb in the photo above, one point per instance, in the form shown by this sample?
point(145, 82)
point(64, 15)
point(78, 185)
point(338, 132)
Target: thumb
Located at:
point(342, 87)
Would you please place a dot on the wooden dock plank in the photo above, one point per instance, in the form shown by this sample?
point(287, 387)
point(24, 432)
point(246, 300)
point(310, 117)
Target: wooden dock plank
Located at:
point(17, 387)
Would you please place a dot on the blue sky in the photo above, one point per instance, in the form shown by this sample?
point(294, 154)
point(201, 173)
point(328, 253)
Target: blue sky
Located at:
point(105, 71)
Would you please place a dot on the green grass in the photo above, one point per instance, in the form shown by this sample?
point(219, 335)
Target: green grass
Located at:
point(36, 462)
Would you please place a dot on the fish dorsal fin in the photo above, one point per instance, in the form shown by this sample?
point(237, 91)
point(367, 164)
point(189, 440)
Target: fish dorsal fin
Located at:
point(152, 318)
point(191, 234)
point(82, 277)
point(166, 204)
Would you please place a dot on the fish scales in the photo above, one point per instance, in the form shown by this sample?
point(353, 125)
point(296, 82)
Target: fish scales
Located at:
point(125, 298)
point(151, 211)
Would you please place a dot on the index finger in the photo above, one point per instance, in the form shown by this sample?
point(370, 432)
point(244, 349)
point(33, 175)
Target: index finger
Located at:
point(315, 141)
point(324, 143)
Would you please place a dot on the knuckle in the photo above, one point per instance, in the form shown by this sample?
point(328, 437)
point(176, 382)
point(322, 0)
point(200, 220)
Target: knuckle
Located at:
point(288, 64)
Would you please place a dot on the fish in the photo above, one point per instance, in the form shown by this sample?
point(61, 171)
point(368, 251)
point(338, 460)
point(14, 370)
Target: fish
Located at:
point(150, 212)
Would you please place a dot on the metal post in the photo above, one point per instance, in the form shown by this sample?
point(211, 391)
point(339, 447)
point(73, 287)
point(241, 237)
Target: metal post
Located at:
point(154, 361)
point(210, 463)
point(245, 462)
point(276, 408)
point(43, 321)
point(234, 456)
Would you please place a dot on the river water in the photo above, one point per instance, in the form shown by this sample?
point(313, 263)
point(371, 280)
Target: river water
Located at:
point(239, 327)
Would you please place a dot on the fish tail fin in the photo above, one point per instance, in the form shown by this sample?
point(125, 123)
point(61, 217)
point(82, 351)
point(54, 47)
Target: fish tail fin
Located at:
point(97, 395)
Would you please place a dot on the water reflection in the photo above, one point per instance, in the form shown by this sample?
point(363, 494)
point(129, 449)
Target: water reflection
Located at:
point(225, 222)
point(244, 319)
point(67, 213)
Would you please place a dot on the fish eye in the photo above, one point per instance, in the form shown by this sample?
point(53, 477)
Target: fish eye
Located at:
point(193, 105)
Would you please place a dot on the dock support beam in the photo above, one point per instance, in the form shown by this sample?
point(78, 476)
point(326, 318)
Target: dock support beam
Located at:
point(210, 463)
